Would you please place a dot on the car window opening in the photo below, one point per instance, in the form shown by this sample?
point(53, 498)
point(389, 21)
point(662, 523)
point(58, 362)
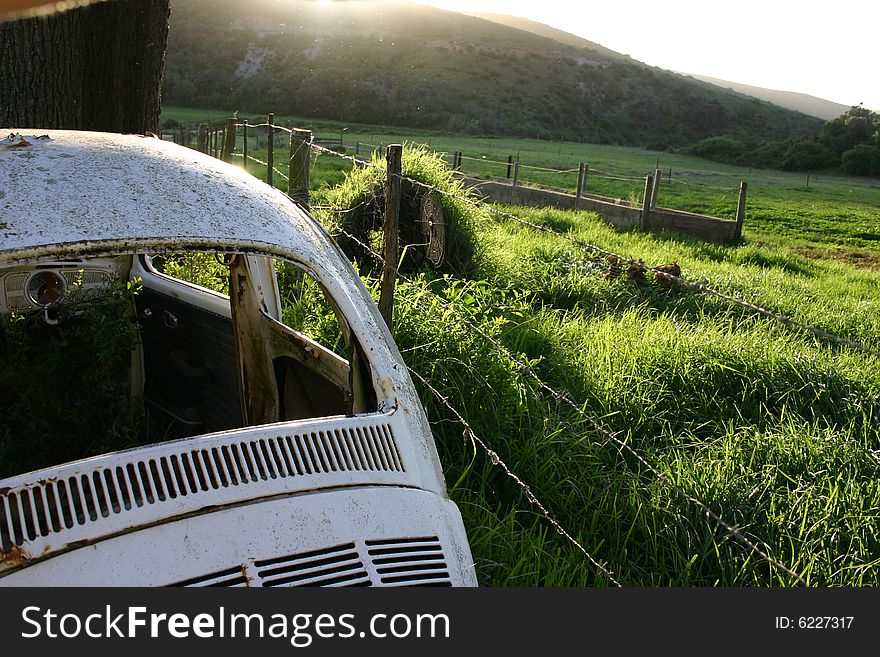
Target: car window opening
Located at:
point(91, 363)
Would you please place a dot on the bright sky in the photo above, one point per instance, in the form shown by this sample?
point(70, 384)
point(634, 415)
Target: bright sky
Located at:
point(825, 49)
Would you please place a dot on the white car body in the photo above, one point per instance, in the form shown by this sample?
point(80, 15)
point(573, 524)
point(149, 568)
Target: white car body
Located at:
point(346, 498)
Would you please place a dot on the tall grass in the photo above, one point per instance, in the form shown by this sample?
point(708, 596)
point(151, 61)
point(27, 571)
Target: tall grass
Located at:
point(776, 431)
point(777, 435)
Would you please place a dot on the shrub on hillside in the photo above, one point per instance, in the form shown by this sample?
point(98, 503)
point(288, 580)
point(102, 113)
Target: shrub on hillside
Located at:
point(863, 160)
point(721, 149)
point(808, 155)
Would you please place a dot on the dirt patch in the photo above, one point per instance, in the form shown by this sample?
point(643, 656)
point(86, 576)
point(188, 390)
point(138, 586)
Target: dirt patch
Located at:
point(861, 259)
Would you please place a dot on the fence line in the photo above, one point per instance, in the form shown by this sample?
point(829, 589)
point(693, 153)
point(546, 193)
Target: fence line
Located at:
point(598, 426)
point(594, 173)
point(677, 280)
point(696, 286)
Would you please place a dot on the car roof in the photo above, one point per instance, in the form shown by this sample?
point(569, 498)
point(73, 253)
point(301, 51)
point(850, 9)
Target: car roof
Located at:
point(76, 193)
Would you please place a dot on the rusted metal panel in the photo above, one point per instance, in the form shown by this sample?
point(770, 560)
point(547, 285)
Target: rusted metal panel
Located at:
point(257, 384)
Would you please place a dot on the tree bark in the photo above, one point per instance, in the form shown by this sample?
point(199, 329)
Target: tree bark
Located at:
point(97, 67)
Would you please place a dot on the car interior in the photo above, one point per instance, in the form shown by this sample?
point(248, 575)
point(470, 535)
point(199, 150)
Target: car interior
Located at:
point(108, 353)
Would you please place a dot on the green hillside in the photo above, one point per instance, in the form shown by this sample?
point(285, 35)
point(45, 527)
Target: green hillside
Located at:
point(402, 64)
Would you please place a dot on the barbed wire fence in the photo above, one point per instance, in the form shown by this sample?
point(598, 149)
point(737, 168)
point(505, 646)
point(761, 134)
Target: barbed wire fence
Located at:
point(210, 138)
point(754, 546)
point(597, 425)
point(664, 274)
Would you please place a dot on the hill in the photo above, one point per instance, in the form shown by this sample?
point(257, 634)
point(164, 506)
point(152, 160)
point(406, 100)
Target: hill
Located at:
point(396, 63)
point(810, 105)
point(798, 102)
point(550, 32)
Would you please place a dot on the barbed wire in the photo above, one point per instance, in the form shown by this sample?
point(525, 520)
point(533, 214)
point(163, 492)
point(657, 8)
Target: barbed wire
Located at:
point(496, 460)
point(596, 424)
point(261, 162)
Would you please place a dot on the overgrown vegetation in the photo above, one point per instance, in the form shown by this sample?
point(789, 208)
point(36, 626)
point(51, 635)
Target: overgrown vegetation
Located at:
point(774, 429)
point(356, 207)
point(65, 390)
point(850, 142)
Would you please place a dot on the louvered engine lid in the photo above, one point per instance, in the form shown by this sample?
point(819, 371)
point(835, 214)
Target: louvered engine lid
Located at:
point(365, 536)
point(45, 513)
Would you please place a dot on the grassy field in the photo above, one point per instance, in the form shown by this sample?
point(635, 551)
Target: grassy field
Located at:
point(774, 429)
point(820, 215)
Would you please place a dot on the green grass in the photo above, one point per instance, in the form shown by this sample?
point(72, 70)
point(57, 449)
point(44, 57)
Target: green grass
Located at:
point(825, 215)
point(773, 428)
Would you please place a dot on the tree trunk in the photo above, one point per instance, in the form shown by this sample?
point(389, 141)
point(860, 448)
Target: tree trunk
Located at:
point(97, 67)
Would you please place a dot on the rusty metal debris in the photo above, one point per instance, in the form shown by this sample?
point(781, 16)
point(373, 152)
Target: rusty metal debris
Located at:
point(668, 276)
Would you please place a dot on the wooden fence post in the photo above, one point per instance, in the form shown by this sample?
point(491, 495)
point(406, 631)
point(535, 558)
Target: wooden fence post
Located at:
point(515, 173)
point(509, 166)
point(244, 144)
point(741, 209)
point(580, 185)
point(357, 149)
point(656, 188)
point(392, 215)
point(646, 202)
point(270, 158)
point(300, 160)
point(229, 139)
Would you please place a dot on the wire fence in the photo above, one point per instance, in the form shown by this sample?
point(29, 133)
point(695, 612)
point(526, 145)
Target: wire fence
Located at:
point(558, 179)
point(755, 546)
point(665, 275)
point(696, 286)
point(523, 366)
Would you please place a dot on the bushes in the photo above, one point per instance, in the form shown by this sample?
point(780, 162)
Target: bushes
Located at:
point(808, 155)
point(722, 149)
point(58, 384)
point(863, 160)
point(851, 141)
point(657, 145)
